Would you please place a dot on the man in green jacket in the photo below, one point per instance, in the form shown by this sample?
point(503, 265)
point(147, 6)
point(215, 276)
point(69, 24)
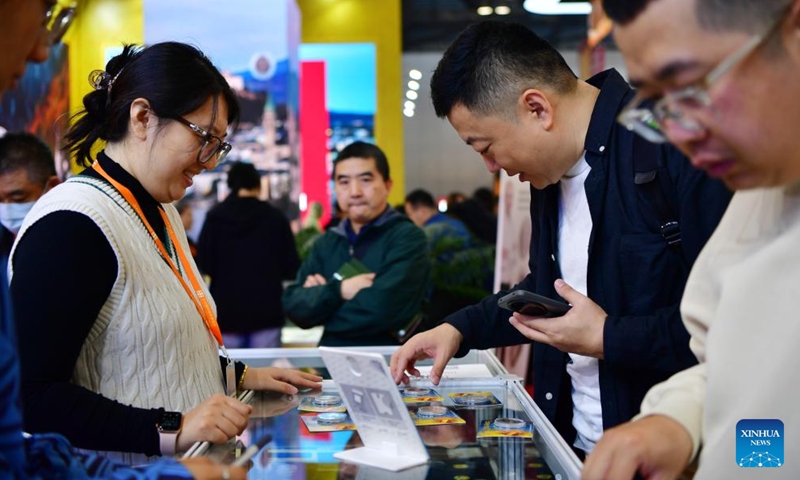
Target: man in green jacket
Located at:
point(365, 279)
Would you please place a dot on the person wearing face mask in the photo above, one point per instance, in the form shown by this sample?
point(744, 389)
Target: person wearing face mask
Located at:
point(27, 171)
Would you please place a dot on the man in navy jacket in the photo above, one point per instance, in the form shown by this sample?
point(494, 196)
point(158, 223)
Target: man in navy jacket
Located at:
point(620, 220)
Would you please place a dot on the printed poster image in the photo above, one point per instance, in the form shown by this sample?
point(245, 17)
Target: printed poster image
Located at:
point(513, 252)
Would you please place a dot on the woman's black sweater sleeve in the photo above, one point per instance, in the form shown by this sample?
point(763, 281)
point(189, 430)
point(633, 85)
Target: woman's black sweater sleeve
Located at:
point(58, 289)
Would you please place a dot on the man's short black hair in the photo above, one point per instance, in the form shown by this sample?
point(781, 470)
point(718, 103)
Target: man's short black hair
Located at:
point(364, 150)
point(491, 63)
point(23, 150)
point(243, 176)
point(750, 16)
point(420, 197)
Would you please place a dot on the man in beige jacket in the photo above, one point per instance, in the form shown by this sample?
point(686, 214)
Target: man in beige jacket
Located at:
point(719, 79)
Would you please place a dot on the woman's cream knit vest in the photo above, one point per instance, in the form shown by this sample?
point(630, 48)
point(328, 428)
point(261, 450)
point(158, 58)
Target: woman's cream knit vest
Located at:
point(149, 346)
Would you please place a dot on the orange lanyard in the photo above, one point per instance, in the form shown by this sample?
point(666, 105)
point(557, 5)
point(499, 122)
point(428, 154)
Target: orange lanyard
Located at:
point(198, 298)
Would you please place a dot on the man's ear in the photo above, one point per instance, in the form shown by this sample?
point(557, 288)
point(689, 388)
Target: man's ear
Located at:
point(142, 118)
point(534, 103)
point(388, 185)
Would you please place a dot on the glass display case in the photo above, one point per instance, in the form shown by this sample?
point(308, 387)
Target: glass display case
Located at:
point(456, 451)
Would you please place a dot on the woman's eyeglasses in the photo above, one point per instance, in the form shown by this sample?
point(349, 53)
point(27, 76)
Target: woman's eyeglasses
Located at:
point(214, 147)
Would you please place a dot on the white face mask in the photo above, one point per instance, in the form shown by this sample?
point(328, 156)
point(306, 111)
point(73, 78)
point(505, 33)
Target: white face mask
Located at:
point(12, 215)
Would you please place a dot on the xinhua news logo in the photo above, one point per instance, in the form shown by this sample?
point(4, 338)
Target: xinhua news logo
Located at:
point(759, 443)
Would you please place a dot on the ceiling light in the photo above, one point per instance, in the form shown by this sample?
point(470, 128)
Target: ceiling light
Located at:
point(408, 112)
point(413, 85)
point(409, 104)
point(485, 10)
point(502, 10)
point(555, 7)
point(415, 74)
point(411, 95)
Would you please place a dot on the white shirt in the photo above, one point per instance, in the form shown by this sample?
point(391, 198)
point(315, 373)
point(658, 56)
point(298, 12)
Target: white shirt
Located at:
point(574, 229)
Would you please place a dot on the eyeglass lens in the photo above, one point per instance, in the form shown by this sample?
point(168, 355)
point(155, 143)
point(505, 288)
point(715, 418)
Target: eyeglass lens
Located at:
point(210, 148)
point(215, 149)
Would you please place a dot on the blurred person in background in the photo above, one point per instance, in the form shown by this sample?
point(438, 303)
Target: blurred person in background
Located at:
point(461, 267)
point(480, 220)
point(420, 207)
point(486, 198)
point(27, 171)
point(247, 249)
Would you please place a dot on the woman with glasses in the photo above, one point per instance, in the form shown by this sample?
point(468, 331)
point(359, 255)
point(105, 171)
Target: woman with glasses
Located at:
point(118, 334)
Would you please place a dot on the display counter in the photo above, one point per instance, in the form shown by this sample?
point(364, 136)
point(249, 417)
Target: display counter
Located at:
point(455, 451)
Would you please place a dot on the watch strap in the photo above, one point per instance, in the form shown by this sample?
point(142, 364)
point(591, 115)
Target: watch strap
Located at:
point(168, 442)
point(169, 426)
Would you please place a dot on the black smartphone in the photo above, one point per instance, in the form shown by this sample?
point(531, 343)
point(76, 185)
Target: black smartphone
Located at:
point(528, 303)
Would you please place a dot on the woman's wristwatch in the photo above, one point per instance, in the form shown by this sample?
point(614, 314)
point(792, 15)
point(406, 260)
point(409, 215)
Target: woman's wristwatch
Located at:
point(168, 426)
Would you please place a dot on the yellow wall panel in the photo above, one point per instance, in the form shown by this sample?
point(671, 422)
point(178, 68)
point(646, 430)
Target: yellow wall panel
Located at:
point(99, 25)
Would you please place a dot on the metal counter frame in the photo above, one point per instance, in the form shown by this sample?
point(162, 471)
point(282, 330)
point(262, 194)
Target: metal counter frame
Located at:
point(507, 457)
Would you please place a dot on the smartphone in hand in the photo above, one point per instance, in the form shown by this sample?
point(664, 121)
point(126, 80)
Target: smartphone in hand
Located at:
point(528, 303)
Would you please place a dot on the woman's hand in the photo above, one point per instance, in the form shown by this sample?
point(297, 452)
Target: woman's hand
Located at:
point(285, 380)
point(216, 420)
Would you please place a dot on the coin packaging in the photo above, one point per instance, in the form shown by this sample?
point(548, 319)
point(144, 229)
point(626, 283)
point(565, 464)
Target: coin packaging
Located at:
point(505, 427)
point(328, 422)
point(419, 395)
point(435, 415)
point(474, 399)
point(322, 403)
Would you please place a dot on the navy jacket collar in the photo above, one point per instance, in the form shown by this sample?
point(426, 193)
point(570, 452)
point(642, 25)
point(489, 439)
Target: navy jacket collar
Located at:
point(613, 90)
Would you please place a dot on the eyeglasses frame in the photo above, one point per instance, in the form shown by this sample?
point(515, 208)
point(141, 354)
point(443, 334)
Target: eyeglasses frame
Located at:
point(221, 152)
point(643, 120)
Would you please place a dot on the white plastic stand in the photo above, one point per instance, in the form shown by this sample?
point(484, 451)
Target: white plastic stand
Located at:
point(386, 459)
point(391, 440)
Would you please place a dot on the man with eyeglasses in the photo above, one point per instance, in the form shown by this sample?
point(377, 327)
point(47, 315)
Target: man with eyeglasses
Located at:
point(719, 80)
point(27, 30)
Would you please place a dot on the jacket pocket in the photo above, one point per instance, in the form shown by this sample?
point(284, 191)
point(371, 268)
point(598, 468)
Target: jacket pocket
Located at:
point(653, 276)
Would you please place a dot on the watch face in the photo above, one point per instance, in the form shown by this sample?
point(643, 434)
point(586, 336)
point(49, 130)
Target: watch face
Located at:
point(170, 422)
